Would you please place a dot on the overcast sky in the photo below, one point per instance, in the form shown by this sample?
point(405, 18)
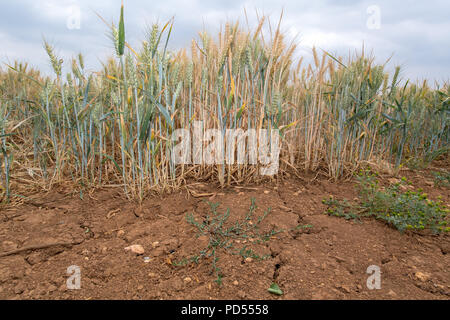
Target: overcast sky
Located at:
point(415, 32)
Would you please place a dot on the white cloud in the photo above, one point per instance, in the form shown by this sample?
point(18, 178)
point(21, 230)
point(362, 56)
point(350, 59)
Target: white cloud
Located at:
point(416, 32)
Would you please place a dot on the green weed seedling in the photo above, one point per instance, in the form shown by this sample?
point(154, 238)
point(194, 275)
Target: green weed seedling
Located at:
point(222, 236)
point(441, 179)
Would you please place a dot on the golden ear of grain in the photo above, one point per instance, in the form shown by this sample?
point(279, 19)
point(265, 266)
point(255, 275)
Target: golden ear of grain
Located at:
point(316, 58)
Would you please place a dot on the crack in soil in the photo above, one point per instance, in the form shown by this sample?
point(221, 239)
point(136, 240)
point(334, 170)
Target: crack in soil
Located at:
point(276, 271)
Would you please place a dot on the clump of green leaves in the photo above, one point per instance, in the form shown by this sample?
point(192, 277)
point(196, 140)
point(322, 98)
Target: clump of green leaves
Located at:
point(441, 178)
point(275, 289)
point(340, 208)
point(222, 236)
point(405, 210)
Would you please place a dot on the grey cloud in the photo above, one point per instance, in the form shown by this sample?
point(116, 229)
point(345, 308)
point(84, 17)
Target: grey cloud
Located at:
point(415, 32)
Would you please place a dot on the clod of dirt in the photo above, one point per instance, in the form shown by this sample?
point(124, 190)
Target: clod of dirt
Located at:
point(424, 277)
point(136, 233)
point(136, 248)
point(20, 288)
point(344, 288)
point(140, 212)
point(35, 258)
point(52, 288)
point(170, 245)
point(5, 274)
point(9, 245)
point(174, 284)
point(158, 252)
point(284, 208)
point(445, 247)
point(203, 241)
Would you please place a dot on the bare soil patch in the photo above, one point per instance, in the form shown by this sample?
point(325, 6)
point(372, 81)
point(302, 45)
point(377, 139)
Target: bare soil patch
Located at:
point(327, 259)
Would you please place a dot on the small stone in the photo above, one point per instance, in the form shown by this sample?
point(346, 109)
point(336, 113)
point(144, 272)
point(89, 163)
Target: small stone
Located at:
point(104, 250)
point(136, 248)
point(140, 287)
point(147, 259)
point(152, 275)
point(392, 293)
point(235, 282)
point(155, 244)
point(266, 191)
point(422, 276)
point(248, 260)
point(120, 233)
point(187, 280)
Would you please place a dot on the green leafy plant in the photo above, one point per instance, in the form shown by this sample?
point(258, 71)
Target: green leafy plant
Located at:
point(340, 208)
point(275, 289)
point(442, 179)
point(405, 210)
point(222, 236)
